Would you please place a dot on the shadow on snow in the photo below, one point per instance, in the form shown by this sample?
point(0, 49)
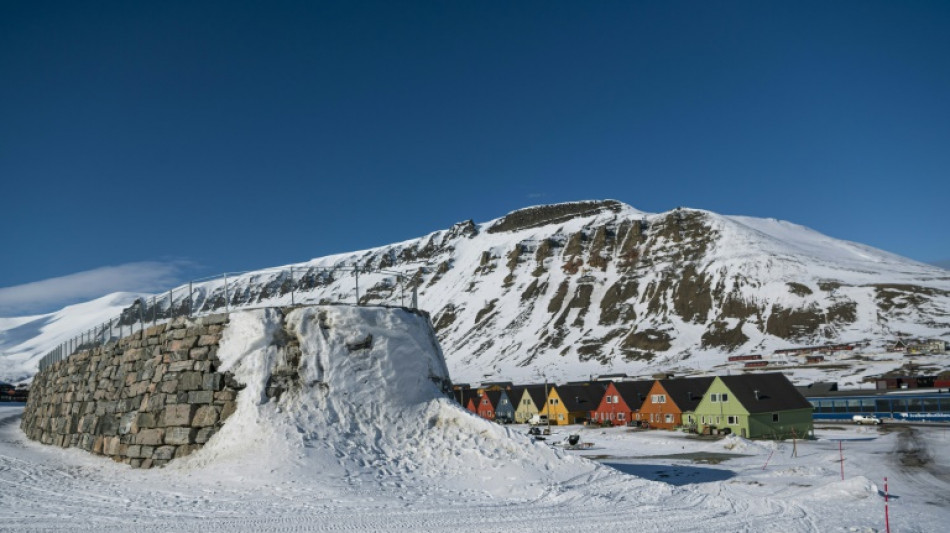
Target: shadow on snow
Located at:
point(676, 475)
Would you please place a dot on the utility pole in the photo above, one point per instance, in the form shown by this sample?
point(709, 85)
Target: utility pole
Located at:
point(291, 286)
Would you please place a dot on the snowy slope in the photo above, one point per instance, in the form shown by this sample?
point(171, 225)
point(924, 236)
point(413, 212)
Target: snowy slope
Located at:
point(571, 290)
point(24, 340)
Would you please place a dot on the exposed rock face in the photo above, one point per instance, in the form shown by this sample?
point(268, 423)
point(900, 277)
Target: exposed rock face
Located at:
point(533, 217)
point(603, 283)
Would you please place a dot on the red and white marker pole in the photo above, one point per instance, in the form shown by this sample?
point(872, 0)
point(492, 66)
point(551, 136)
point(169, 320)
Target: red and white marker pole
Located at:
point(767, 460)
point(887, 517)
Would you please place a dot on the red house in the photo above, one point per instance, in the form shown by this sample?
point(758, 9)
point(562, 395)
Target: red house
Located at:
point(621, 400)
point(487, 404)
point(467, 398)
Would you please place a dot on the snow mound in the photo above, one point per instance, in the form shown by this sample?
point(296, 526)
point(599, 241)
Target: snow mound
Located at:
point(855, 488)
point(368, 409)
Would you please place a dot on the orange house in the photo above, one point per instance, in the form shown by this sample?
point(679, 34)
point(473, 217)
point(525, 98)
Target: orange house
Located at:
point(668, 399)
point(621, 401)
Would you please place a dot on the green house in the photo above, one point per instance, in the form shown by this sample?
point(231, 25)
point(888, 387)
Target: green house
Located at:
point(756, 406)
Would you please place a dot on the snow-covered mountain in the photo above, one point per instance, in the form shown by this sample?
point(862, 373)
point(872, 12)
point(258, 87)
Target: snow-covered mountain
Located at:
point(569, 290)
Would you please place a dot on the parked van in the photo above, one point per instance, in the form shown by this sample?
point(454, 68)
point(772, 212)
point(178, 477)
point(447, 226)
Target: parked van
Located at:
point(866, 419)
point(538, 420)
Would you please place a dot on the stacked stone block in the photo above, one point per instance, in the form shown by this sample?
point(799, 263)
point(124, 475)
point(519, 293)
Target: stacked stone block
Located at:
point(144, 400)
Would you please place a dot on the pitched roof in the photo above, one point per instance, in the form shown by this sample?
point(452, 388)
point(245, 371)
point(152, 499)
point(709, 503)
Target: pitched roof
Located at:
point(634, 392)
point(761, 393)
point(818, 387)
point(537, 393)
point(494, 396)
point(686, 393)
point(464, 395)
point(580, 397)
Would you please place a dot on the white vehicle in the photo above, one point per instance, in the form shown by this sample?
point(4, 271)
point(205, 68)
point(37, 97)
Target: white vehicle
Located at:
point(538, 420)
point(866, 419)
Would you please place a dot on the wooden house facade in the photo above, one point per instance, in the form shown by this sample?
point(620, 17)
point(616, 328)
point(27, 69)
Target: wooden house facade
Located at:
point(668, 399)
point(530, 402)
point(754, 406)
point(621, 401)
point(572, 404)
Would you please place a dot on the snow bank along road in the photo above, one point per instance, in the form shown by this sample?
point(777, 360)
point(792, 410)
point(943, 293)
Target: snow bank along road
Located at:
point(370, 443)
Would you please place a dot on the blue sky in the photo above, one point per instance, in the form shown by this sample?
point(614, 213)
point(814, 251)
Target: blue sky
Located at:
point(181, 139)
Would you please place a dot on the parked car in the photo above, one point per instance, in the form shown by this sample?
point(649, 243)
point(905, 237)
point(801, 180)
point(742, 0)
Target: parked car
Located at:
point(866, 419)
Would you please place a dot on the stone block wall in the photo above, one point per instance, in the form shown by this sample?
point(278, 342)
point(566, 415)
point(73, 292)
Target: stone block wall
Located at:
point(143, 400)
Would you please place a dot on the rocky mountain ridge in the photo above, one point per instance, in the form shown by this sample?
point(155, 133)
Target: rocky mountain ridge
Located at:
point(597, 287)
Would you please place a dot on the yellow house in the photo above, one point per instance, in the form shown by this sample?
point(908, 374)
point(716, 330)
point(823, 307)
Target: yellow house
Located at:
point(572, 404)
point(531, 399)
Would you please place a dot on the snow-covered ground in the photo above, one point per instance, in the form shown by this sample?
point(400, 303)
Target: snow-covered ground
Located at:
point(47, 488)
point(370, 443)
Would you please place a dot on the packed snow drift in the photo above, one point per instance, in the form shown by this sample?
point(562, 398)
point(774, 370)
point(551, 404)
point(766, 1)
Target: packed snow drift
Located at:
point(369, 407)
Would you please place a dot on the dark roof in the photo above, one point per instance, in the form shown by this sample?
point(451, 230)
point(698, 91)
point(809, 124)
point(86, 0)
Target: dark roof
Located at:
point(494, 396)
point(634, 392)
point(819, 387)
point(761, 393)
point(535, 391)
point(502, 384)
point(580, 397)
point(686, 393)
point(464, 395)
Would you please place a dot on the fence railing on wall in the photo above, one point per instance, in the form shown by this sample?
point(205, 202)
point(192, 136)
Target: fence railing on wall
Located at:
point(216, 293)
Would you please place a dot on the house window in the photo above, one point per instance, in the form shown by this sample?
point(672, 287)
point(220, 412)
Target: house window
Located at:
point(485, 401)
point(504, 402)
point(610, 399)
point(714, 398)
point(724, 397)
point(732, 420)
point(616, 399)
point(658, 398)
point(553, 401)
point(669, 418)
point(620, 416)
point(774, 417)
point(560, 417)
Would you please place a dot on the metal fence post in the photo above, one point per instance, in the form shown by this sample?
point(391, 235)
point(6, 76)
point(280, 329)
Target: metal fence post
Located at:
point(227, 297)
point(191, 298)
point(171, 312)
point(291, 285)
point(154, 309)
